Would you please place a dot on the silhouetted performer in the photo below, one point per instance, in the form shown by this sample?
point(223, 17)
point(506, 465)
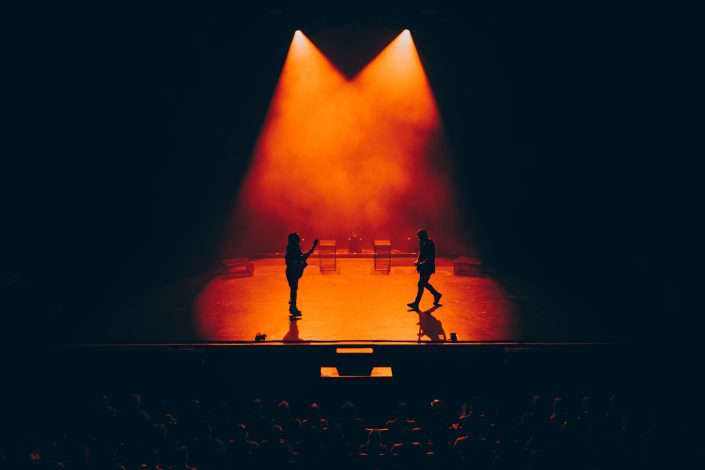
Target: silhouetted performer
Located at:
point(425, 265)
point(295, 264)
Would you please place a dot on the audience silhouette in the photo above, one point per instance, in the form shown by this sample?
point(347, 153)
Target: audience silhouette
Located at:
point(486, 432)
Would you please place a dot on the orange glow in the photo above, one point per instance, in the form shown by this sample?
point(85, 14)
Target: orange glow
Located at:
point(337, 156)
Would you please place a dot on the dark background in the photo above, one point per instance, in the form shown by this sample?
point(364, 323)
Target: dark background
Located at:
point(130, 129)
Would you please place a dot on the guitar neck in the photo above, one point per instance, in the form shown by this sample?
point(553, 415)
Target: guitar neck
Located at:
point(310, 252)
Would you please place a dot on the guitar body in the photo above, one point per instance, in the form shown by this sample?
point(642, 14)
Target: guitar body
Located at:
point(302, 266)
point(301, 269)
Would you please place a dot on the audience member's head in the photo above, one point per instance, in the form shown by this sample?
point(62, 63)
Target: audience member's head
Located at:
point(276, 433)
point(314, 412)
point(437, 406)
point(221, 409)
point(558, 408)
point(240, 432)
point(181, 456)
point(402, 411)
point(193, 409)
point(348, 410)
point(283, 410)
point(134, 402)
point(255, 407)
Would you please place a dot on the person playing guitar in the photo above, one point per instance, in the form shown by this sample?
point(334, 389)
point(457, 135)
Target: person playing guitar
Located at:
point(295, 265)
point(425, 266)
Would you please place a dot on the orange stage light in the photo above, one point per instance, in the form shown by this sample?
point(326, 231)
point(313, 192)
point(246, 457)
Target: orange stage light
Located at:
point(336, 156)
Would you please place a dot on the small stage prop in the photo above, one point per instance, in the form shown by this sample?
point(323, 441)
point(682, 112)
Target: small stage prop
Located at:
point(355, 243)
point(327, 255)
point(383, 255)
point(466, 266)
point(237, 267)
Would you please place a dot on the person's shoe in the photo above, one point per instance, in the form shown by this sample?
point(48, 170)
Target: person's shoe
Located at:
point(437, 298)
point(295, 313)
point(414, 305)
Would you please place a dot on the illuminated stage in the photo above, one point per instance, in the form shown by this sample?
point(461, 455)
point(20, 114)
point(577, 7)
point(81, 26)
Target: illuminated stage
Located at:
point(354, 303)
point(341, 153)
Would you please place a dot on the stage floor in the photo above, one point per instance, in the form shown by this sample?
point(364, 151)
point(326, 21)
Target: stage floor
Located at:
point(354, 303)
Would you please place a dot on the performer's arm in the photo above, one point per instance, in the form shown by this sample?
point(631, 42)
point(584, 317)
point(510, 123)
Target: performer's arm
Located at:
point(309, 252)
point(426, 254)
point(423, 257)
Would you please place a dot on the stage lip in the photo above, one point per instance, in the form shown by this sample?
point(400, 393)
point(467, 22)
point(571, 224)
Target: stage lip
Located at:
point(381, 343)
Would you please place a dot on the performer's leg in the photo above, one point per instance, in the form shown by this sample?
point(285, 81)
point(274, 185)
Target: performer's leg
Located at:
point(432, 290)
point(293, 291)
point(423, 282)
